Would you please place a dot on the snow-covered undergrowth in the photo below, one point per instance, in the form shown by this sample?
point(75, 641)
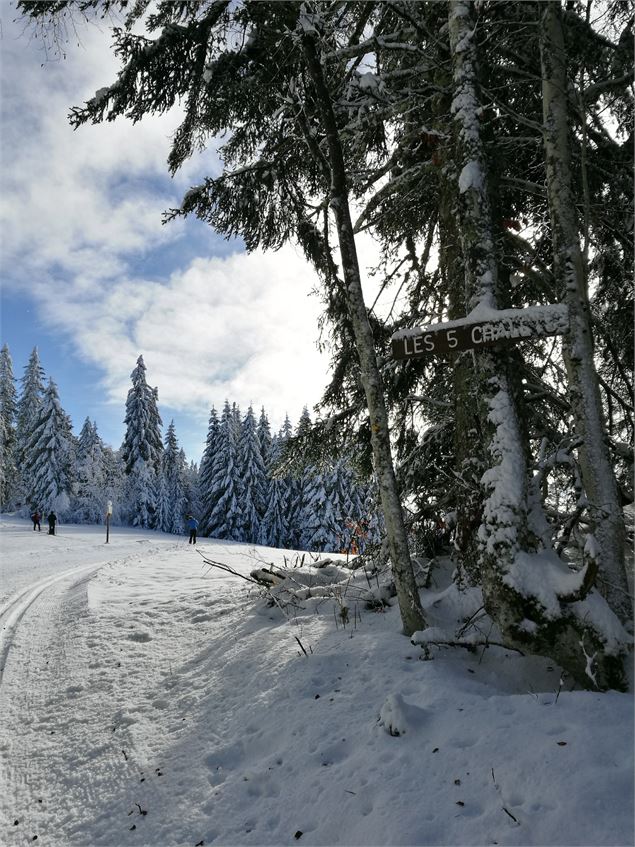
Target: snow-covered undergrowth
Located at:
point(148, 699)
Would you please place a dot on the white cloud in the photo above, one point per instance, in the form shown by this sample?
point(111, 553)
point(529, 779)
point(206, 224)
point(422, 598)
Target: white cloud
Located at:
point(81, 200)
point(241, 327)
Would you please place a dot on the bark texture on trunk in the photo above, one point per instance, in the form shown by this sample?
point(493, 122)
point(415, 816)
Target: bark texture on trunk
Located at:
point(504, 527)
point(407, 592)
point(597, 471)
point(468, 434)
point(469, 451)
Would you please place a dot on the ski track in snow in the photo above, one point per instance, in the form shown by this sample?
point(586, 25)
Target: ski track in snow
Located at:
point(58, 762)
point(14, 610)
point(146, 701)
point(55, 761)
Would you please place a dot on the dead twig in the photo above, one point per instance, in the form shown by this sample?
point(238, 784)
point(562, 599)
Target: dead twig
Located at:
point(226, 568)
point(301, 645)
point(471, 646)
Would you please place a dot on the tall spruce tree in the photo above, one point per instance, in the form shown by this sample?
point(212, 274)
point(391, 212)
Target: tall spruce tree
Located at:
point(8, 409)
point(225, 518)
point(348, 506)
point(320, 525)
point(264, 436)
point(31, 395)
point(277, 530)
point(90, 494)
point(299, 482)
point(265, 440)
point(251, 470)
point(172, 498)
point(193, 505)
point(206, 472)
point(607, 520)
point(274, 527)
point(142, 450)
point(114, 483)
point(50, 456)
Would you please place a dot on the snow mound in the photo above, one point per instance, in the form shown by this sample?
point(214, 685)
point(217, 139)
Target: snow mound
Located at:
point(399, 717)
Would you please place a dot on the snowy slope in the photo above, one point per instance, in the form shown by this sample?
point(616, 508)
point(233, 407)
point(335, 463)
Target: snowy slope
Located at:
point(147, 700)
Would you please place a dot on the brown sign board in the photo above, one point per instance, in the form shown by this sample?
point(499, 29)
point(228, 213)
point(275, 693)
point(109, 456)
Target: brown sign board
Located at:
point(508, 326)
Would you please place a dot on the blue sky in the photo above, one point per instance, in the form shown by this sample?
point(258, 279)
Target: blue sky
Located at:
point(91, 277)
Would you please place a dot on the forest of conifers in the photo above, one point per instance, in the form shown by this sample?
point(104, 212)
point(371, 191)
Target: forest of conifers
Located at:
point(237, 491)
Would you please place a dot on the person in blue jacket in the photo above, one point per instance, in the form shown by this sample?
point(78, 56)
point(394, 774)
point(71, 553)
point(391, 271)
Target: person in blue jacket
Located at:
point(192, 525)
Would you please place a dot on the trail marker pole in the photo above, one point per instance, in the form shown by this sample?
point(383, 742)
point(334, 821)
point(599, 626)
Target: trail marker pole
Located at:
point(108, 514)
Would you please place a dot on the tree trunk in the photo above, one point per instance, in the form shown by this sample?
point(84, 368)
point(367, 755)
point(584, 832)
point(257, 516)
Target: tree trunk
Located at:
point(407, 593)
point(468, 436)
point(533, 598)
point(598, 478)
point(504, 528)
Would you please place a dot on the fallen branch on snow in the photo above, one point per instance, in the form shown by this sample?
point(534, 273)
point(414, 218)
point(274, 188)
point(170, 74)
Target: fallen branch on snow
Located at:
point(227, 568)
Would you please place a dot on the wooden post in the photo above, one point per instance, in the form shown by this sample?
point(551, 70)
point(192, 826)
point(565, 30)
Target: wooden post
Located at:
point(108, 514)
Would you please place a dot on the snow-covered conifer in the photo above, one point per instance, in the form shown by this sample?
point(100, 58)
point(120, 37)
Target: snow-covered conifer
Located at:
point(298, 486)
point(49, 456)
point(343, 496)
point(286, 430)
point(274, 527)
point(86, 438)
point(142, 449)
point(264, 436)
point(29, 403)
point(265, 440)
point(320, 527)
point(8, 408)
point(31, 396)
point(205, 474)
point(596, 463)
point(253, 478)
point(236, 420)
point(172, 500)
point(114, 483)
point(191, 487)
point(222, 516)
point(90, 496)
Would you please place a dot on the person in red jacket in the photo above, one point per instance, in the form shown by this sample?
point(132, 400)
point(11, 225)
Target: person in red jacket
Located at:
point(36, 517)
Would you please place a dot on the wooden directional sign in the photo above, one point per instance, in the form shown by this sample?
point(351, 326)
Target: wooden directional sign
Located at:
point(509, 325)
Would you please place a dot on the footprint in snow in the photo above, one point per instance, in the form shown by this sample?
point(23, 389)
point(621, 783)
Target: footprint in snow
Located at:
point(140, 636)
point(74, 690)
point(202, 617)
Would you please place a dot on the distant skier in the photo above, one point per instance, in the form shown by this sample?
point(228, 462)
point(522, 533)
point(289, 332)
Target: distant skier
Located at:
point(36, 517)
point(52, 520)
point(192, 525)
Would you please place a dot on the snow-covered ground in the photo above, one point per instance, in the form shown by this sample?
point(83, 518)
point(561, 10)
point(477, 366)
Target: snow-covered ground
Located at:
point(148, 700)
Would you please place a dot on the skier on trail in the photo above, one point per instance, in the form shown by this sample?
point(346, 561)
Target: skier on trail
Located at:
point(36, 517)
point(52, 520)
point(192, 525)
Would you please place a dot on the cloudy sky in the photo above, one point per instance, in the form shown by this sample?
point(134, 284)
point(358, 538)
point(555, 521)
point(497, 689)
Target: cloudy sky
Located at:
point(92, 278)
